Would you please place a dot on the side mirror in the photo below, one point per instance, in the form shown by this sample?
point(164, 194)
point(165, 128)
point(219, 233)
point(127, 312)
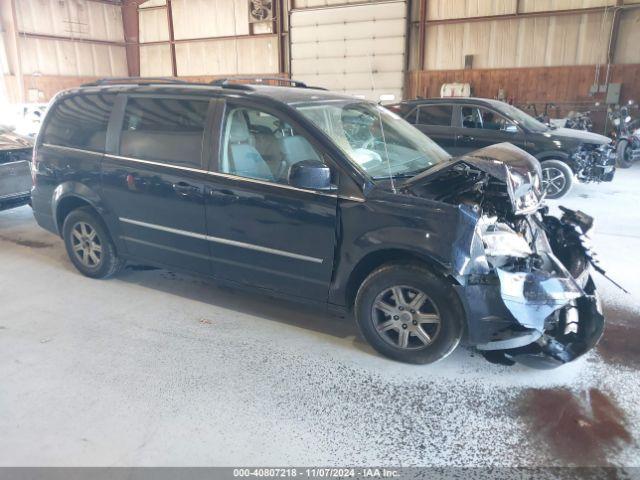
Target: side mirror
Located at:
point(510, 127)
point(311, 174)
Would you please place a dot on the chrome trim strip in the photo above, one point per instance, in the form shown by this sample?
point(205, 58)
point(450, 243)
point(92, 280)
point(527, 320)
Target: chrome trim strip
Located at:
point(205, 172)
point(16, 195)
point(219, 174)
point(150, 162)
point(221, 260)
point(71, 149)
point(223, 241)
point(13, 163)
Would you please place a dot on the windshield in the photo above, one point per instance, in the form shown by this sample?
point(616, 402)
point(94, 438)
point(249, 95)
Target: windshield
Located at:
point(524, 119)
point(375, 139)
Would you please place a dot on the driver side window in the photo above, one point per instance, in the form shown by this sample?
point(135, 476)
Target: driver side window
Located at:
point(483, 118)
point(259, 145)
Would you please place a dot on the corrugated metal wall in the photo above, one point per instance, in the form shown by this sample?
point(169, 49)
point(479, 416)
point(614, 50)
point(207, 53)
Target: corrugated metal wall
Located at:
point(530, 41)
point(70, 18)
point(212, 38)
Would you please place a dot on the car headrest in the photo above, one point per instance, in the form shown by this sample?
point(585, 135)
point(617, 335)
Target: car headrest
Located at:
point(239, 132)
point(297, 148)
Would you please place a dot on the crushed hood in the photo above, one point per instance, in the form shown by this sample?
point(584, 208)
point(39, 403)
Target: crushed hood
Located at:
point(505, 162)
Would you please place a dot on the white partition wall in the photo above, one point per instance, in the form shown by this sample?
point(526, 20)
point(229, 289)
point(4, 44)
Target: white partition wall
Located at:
point(356, 49)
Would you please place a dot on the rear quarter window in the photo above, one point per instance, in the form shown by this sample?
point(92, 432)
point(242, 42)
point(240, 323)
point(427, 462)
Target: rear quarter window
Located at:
point(80, 122)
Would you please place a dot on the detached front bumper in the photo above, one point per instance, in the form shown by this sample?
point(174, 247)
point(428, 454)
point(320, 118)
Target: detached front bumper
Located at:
point(542, 317)
point(545, 333)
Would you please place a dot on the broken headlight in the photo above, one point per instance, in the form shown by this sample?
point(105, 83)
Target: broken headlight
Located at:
point(501, 241)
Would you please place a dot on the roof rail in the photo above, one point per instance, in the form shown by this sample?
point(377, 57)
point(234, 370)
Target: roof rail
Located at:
point(226, 82)
point(135, 80)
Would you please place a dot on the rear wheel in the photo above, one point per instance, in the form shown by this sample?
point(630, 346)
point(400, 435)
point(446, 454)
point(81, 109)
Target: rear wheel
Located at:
point(409, 314)
point(89, 245)
point(557, 178)
point(623, 154)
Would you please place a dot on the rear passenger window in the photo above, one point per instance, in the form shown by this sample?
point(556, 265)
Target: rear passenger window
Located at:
point(435, 115)
point(166, 130)
point(80, 122)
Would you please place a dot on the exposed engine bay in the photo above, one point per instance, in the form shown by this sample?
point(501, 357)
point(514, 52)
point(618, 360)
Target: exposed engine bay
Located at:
point(523, 275)
point(595, 163)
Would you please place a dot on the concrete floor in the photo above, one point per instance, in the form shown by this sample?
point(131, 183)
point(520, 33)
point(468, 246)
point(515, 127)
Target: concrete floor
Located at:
point(156, 368)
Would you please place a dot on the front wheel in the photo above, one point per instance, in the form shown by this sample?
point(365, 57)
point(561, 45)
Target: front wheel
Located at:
point(89, 245)
point(623, 154)
point(557, 178)
point(409, 314)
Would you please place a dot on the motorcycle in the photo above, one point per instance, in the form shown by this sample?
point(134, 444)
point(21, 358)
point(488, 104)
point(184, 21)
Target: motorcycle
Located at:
point(579, 121)
point(626, 132)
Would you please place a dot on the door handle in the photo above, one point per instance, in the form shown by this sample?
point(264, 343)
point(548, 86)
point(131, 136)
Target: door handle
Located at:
point(222, 195)
point(184, 189)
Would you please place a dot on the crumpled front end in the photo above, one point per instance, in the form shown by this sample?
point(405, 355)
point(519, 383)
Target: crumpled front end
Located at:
point(523, 275)
point(595, 163)
point(538, 306)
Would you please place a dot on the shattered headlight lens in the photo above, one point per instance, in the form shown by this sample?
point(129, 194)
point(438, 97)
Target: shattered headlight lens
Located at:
point(502, 241)
point(525, 191)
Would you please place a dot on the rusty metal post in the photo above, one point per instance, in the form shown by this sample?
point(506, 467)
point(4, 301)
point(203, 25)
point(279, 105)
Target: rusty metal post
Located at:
point(172, 40)
point(130, 24)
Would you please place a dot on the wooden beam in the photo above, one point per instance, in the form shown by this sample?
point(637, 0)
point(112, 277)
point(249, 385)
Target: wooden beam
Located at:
point(422, 33)
point(511, 16)
point(44, 36)
point(172, 39)
point(131, 27)
point(279, 29)
point(12, 30)
point(204, 39)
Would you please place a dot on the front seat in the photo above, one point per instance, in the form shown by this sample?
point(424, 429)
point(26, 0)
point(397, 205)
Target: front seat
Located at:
point(294, 149)
point(244, 159)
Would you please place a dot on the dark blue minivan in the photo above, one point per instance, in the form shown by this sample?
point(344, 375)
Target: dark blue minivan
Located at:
point(325, 199)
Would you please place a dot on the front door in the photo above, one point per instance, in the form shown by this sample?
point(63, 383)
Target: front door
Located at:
point(153, 183)
point(479, 127)
point(262, 231)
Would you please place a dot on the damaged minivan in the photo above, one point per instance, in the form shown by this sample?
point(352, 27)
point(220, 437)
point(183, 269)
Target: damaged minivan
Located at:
point(325, 199)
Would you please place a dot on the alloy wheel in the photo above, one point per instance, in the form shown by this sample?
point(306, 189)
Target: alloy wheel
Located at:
point(553, 180)
point(86, 244)
point(405, 317)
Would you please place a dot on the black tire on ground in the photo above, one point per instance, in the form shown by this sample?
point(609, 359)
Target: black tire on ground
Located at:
point(561, 175)
point(84, 228)
point(623, 154)
point(441, 301)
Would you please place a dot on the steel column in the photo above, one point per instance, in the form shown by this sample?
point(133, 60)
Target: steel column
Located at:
point(172, 40)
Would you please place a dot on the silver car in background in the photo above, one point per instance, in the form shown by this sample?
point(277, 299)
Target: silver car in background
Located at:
point(15, 171)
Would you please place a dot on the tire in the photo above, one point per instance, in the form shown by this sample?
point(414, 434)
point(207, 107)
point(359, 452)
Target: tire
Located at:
point(83, 232)
point(623, 154)
point(562, 176)
point(440, 301)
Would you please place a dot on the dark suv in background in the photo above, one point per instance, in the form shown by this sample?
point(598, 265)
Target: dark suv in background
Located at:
point(325, 199)
point(461, 125)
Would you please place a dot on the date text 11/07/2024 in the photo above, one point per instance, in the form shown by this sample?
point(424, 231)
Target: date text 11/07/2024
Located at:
point(317, 472)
